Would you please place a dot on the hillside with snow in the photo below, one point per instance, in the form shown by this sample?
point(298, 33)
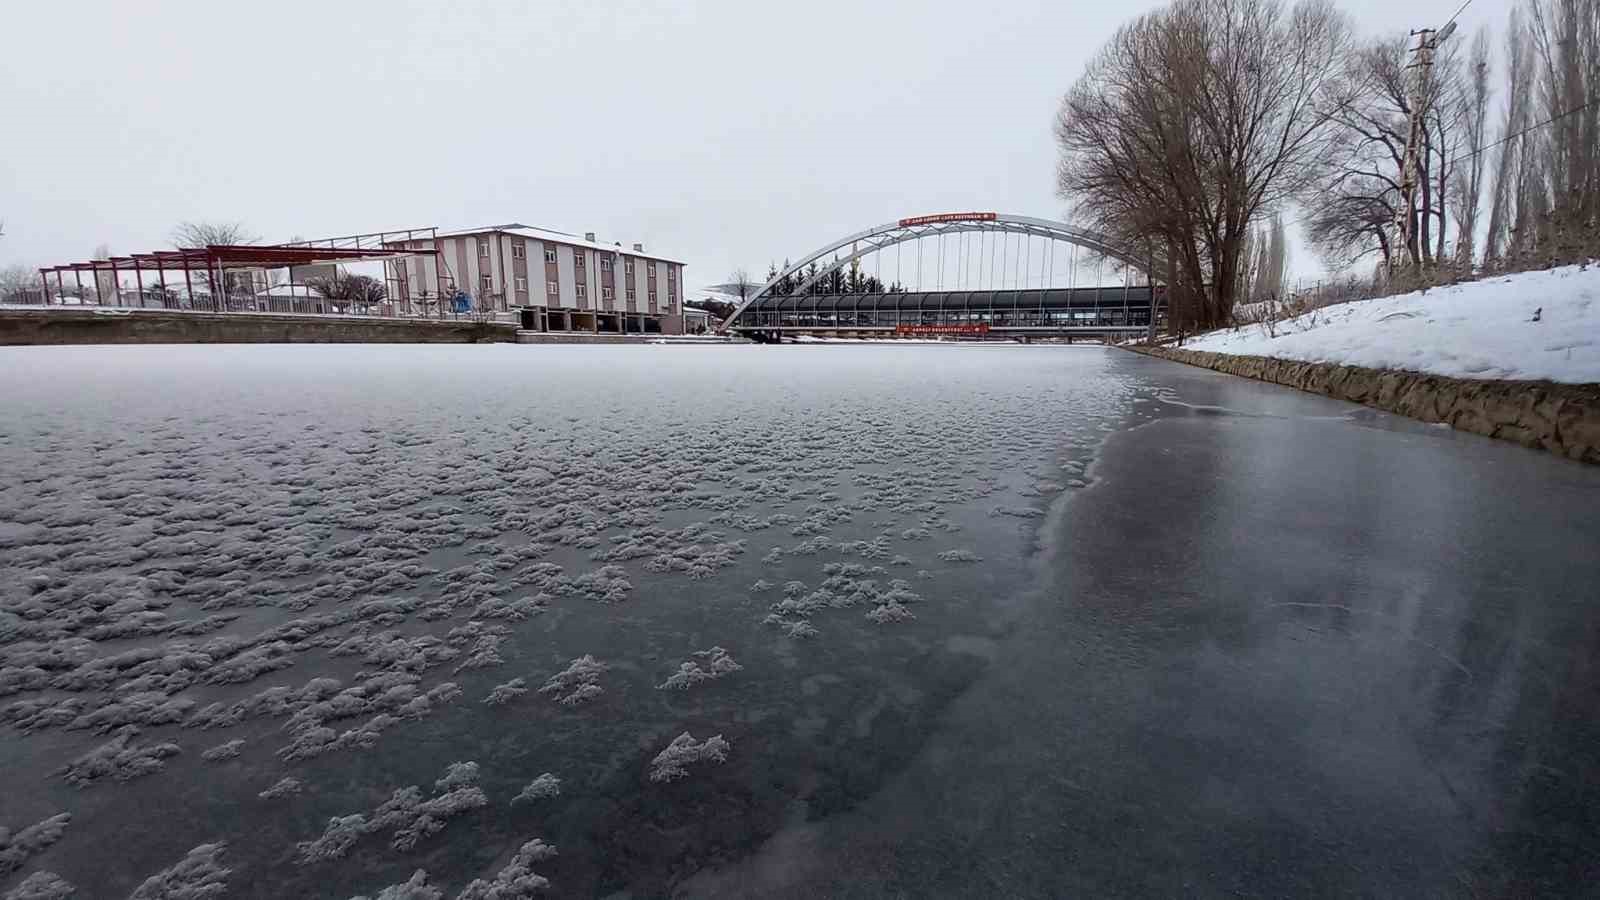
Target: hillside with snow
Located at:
point(1532, 325)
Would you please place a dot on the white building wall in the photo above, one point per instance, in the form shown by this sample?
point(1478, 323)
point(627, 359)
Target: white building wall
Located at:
point(536, 279)
point(565, 266)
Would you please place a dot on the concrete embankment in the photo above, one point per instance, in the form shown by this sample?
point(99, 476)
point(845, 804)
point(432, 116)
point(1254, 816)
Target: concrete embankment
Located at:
point(156, 326)
point(1561, 418)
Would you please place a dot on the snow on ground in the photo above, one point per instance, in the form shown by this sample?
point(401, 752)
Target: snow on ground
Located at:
point(1482, 329)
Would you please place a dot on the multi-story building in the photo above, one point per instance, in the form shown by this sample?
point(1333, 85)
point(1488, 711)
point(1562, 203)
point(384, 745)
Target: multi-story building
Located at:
point(561, 282)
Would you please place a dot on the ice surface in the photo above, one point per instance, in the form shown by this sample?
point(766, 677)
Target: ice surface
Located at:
point(317, 551)
point(1532, 325)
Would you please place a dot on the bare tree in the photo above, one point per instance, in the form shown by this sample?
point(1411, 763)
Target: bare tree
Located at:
point(1467, 185)
point(1192, 123)
point(1545, 202)
point(1510, 171)
point(17, 281)
point(740, 281)
point(1357, 195)
point(204, 234)
point(187, 235)
point(349, 292)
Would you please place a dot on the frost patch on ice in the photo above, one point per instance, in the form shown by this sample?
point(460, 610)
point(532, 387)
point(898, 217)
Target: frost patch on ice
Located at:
point(390, 698)
point(517, 881)
point(670, 763)
point(794, 628)
point(223, 751)
point(119, 758)
point(717, 663)
point(960, 556)
point(505, 693)
point(407, 813)
point(541, 788)
point(285, 787)
point(16, 848)
point(198, 876)
point(578, 682)
point(414, 888)
point(890, 612)
point(41, 885)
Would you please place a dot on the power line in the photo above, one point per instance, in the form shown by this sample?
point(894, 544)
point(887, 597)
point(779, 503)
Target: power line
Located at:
point(1474, 152)
point(1534, 127)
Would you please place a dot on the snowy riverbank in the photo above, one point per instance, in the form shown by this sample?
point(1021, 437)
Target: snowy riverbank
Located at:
point(1532, 325)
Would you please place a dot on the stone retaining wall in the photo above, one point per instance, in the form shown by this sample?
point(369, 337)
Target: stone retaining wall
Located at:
point(1561, 418)
point(153, 326)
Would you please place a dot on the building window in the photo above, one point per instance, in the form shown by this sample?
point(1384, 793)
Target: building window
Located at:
point(607, 293)
point(522, 284)
point(633, 292)
point(549, 254)
point(486, 282)
point(605, 263)
point(483, 249)
point(583, 291)
point(652, 296)
point(627, 266)
point(552, 289)
point(578, 258)
point(519, 250)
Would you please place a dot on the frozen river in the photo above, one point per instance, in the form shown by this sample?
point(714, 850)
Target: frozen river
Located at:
point(252, 594)
point(783, 622)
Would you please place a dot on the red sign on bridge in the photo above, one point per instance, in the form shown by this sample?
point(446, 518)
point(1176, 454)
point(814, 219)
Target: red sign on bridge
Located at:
point(977, 328)
point(948, 217)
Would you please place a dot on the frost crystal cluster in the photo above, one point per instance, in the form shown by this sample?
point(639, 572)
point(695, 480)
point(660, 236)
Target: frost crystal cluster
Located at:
point(578, 682)
point(16, 848)
point(684, 751)
point(198, 876)
point(541, 788)
point(707, 665)
point(407, 813)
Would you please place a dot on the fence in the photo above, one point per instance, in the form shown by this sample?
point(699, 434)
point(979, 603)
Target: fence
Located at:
point(425, 306)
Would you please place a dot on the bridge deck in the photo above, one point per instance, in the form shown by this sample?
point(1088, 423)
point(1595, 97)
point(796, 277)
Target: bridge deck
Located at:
point(1054, 310)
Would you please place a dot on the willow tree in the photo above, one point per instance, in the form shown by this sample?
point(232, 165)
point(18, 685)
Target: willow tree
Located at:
point(1194, 122)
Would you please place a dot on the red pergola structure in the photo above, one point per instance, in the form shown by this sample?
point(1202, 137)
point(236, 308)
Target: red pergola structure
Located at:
point(213, 261)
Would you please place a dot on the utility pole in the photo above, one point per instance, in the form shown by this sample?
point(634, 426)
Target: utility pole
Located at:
point(1420, 99)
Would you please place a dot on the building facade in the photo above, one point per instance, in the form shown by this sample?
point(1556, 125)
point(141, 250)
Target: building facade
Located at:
point(557, 281)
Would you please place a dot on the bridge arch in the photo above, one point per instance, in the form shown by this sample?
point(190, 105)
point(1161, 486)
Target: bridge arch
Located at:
point(882, 237)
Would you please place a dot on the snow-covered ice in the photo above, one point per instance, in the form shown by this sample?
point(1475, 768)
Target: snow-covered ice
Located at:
point(1532, 325)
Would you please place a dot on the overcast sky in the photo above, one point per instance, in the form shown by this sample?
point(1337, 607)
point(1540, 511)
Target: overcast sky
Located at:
point(720, 133)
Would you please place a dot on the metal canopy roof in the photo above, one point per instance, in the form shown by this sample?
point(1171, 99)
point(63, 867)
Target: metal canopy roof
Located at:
point(275, 256)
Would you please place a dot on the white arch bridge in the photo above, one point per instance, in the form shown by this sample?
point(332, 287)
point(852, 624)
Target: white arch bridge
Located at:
point(966, 273)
